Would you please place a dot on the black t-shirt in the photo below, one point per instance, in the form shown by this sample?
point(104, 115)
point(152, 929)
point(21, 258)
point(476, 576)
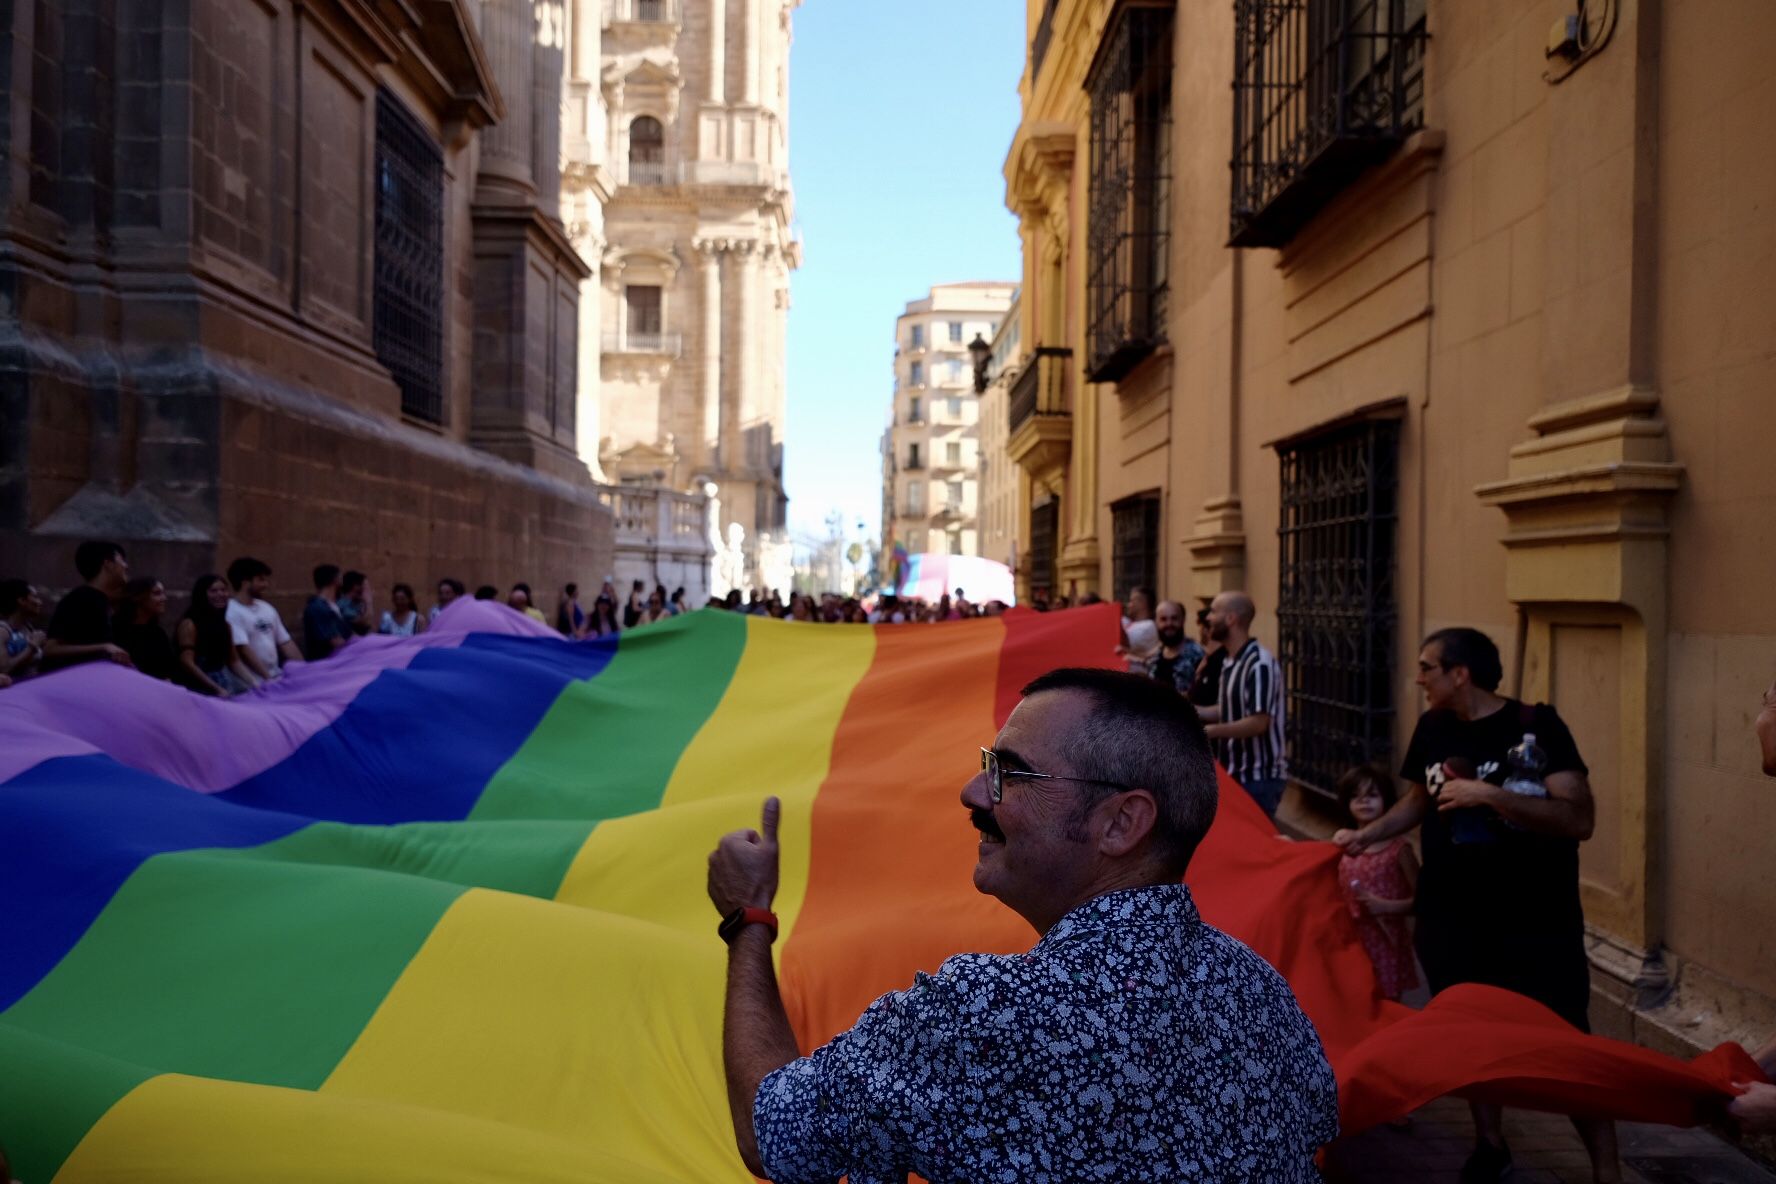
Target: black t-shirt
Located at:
point(148, 647)
point(83, 617)
point(1479, 869)
point(321, 625)
point(1205, 691)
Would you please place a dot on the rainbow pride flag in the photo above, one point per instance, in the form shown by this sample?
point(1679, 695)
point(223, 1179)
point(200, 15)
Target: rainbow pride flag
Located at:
point(435, 911)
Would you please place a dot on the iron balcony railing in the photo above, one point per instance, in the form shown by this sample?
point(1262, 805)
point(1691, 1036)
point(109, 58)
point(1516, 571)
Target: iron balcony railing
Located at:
point(1042, 387)
point(650, 172)
point(1322, 89)
point(665, 344)
point(1127, 260)
point(644, 12)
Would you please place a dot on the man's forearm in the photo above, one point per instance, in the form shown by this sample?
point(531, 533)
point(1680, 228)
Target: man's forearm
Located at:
point(1239, 729)
point(1562, 817)
point(756, 1036)
point(1406, 813)
point(1209, 713)
point(61, 649)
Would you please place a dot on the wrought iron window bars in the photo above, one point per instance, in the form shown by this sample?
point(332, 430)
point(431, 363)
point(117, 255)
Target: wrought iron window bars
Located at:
point(1322, 90)
point(1336, 602)
point(1127, 239)
point(408, 324)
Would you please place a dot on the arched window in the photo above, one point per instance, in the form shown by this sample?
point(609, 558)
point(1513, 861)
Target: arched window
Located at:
point(647, 152)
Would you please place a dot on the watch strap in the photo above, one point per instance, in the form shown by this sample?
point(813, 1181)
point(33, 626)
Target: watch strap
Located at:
point(739, 919)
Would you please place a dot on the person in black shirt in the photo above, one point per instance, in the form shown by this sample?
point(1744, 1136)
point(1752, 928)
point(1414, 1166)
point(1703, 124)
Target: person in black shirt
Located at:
point(1205, 688)
point(138, 630)
point(324, 629)
point(207, 660)
point(1498, 898)
point(1177, 658)
point(80, 628)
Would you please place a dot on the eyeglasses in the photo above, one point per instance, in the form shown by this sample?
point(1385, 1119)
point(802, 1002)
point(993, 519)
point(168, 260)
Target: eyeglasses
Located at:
point(997, 773)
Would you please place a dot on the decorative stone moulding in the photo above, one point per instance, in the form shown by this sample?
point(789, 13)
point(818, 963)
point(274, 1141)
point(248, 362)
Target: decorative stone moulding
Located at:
point(1586, 504)
point(1042, 444)
point(1585, 499)
point(1217, 549)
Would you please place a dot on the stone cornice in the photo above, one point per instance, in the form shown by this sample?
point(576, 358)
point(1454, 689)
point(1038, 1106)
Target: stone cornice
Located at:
point(546, 232)
point(1039, 168)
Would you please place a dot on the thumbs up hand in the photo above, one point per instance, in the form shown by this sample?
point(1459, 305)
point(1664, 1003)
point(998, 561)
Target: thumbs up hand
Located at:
point(743, 866)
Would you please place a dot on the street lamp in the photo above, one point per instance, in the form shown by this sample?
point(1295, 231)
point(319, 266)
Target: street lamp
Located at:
point(981, 353)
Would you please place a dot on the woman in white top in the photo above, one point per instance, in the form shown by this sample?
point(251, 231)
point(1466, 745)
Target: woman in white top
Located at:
point(1140, 636)
point(404, 619)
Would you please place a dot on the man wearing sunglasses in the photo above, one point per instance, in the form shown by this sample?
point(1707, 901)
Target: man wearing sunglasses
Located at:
point(1133, 1042)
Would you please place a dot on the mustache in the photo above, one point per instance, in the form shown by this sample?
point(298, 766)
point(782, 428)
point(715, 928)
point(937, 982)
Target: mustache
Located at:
point(985, 823)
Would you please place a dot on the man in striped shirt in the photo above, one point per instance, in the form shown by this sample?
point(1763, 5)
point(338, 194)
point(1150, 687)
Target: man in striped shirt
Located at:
point(1247, 723)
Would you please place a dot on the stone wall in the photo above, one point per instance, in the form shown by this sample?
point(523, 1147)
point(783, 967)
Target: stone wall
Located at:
point(1562, 287)
point(252, 466)
point(188, 255)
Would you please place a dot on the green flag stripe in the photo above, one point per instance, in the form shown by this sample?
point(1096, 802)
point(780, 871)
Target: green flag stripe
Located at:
point(608, 747)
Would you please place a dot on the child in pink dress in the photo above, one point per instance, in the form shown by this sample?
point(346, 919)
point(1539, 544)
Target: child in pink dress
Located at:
point(1379, 884)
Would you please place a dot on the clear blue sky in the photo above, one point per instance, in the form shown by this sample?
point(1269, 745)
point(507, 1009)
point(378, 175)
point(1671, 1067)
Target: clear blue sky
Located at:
point(900, 118)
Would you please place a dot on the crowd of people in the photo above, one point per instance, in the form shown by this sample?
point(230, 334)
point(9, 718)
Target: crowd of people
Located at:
point(231, 638)
point(831, 608)
point(1494, 789)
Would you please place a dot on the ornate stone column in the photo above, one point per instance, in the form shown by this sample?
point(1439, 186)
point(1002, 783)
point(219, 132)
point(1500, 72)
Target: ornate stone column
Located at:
point(1588, 494)
point(749, 53)
point(718, 51)
point(548, 63)
point(737, 355)
point(1217, 541)
point(709, 258)
point(507, 34)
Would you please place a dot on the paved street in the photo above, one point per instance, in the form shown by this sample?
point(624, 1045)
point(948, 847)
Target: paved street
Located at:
point(1545, 1149)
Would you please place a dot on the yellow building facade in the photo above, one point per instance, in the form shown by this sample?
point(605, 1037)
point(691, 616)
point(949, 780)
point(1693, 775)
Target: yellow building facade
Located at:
point(1478, 328)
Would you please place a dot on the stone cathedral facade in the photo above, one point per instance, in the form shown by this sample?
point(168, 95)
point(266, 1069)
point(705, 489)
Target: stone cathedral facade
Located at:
point(291, 280)
point(677, 188)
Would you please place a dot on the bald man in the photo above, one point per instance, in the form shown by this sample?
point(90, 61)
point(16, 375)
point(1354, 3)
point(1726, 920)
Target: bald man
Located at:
point(1246, 723)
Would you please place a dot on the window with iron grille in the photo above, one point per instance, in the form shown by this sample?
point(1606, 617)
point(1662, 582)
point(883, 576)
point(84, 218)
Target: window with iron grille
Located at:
point(1322, 90)
point(408, 325)
point(1335, 601)
point(1131, 119)
point(1135, 535)
point(1045, 529)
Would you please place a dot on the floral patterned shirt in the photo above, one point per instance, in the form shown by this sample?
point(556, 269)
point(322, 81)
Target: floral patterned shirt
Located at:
point(1134, 1042)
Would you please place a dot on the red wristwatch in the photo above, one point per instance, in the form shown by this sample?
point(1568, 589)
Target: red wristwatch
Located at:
point(739, 919)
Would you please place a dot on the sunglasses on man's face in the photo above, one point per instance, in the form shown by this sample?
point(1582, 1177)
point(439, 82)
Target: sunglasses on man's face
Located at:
point(993, 766)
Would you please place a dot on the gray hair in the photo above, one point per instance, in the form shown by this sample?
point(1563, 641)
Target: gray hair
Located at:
point(1145, 735)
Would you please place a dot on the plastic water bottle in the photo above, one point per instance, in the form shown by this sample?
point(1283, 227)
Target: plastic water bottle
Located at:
point(1527, 764)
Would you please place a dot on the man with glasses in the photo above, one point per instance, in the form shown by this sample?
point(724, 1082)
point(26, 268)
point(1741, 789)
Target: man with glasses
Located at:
point(1498, 897)
point(1133, 1042)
